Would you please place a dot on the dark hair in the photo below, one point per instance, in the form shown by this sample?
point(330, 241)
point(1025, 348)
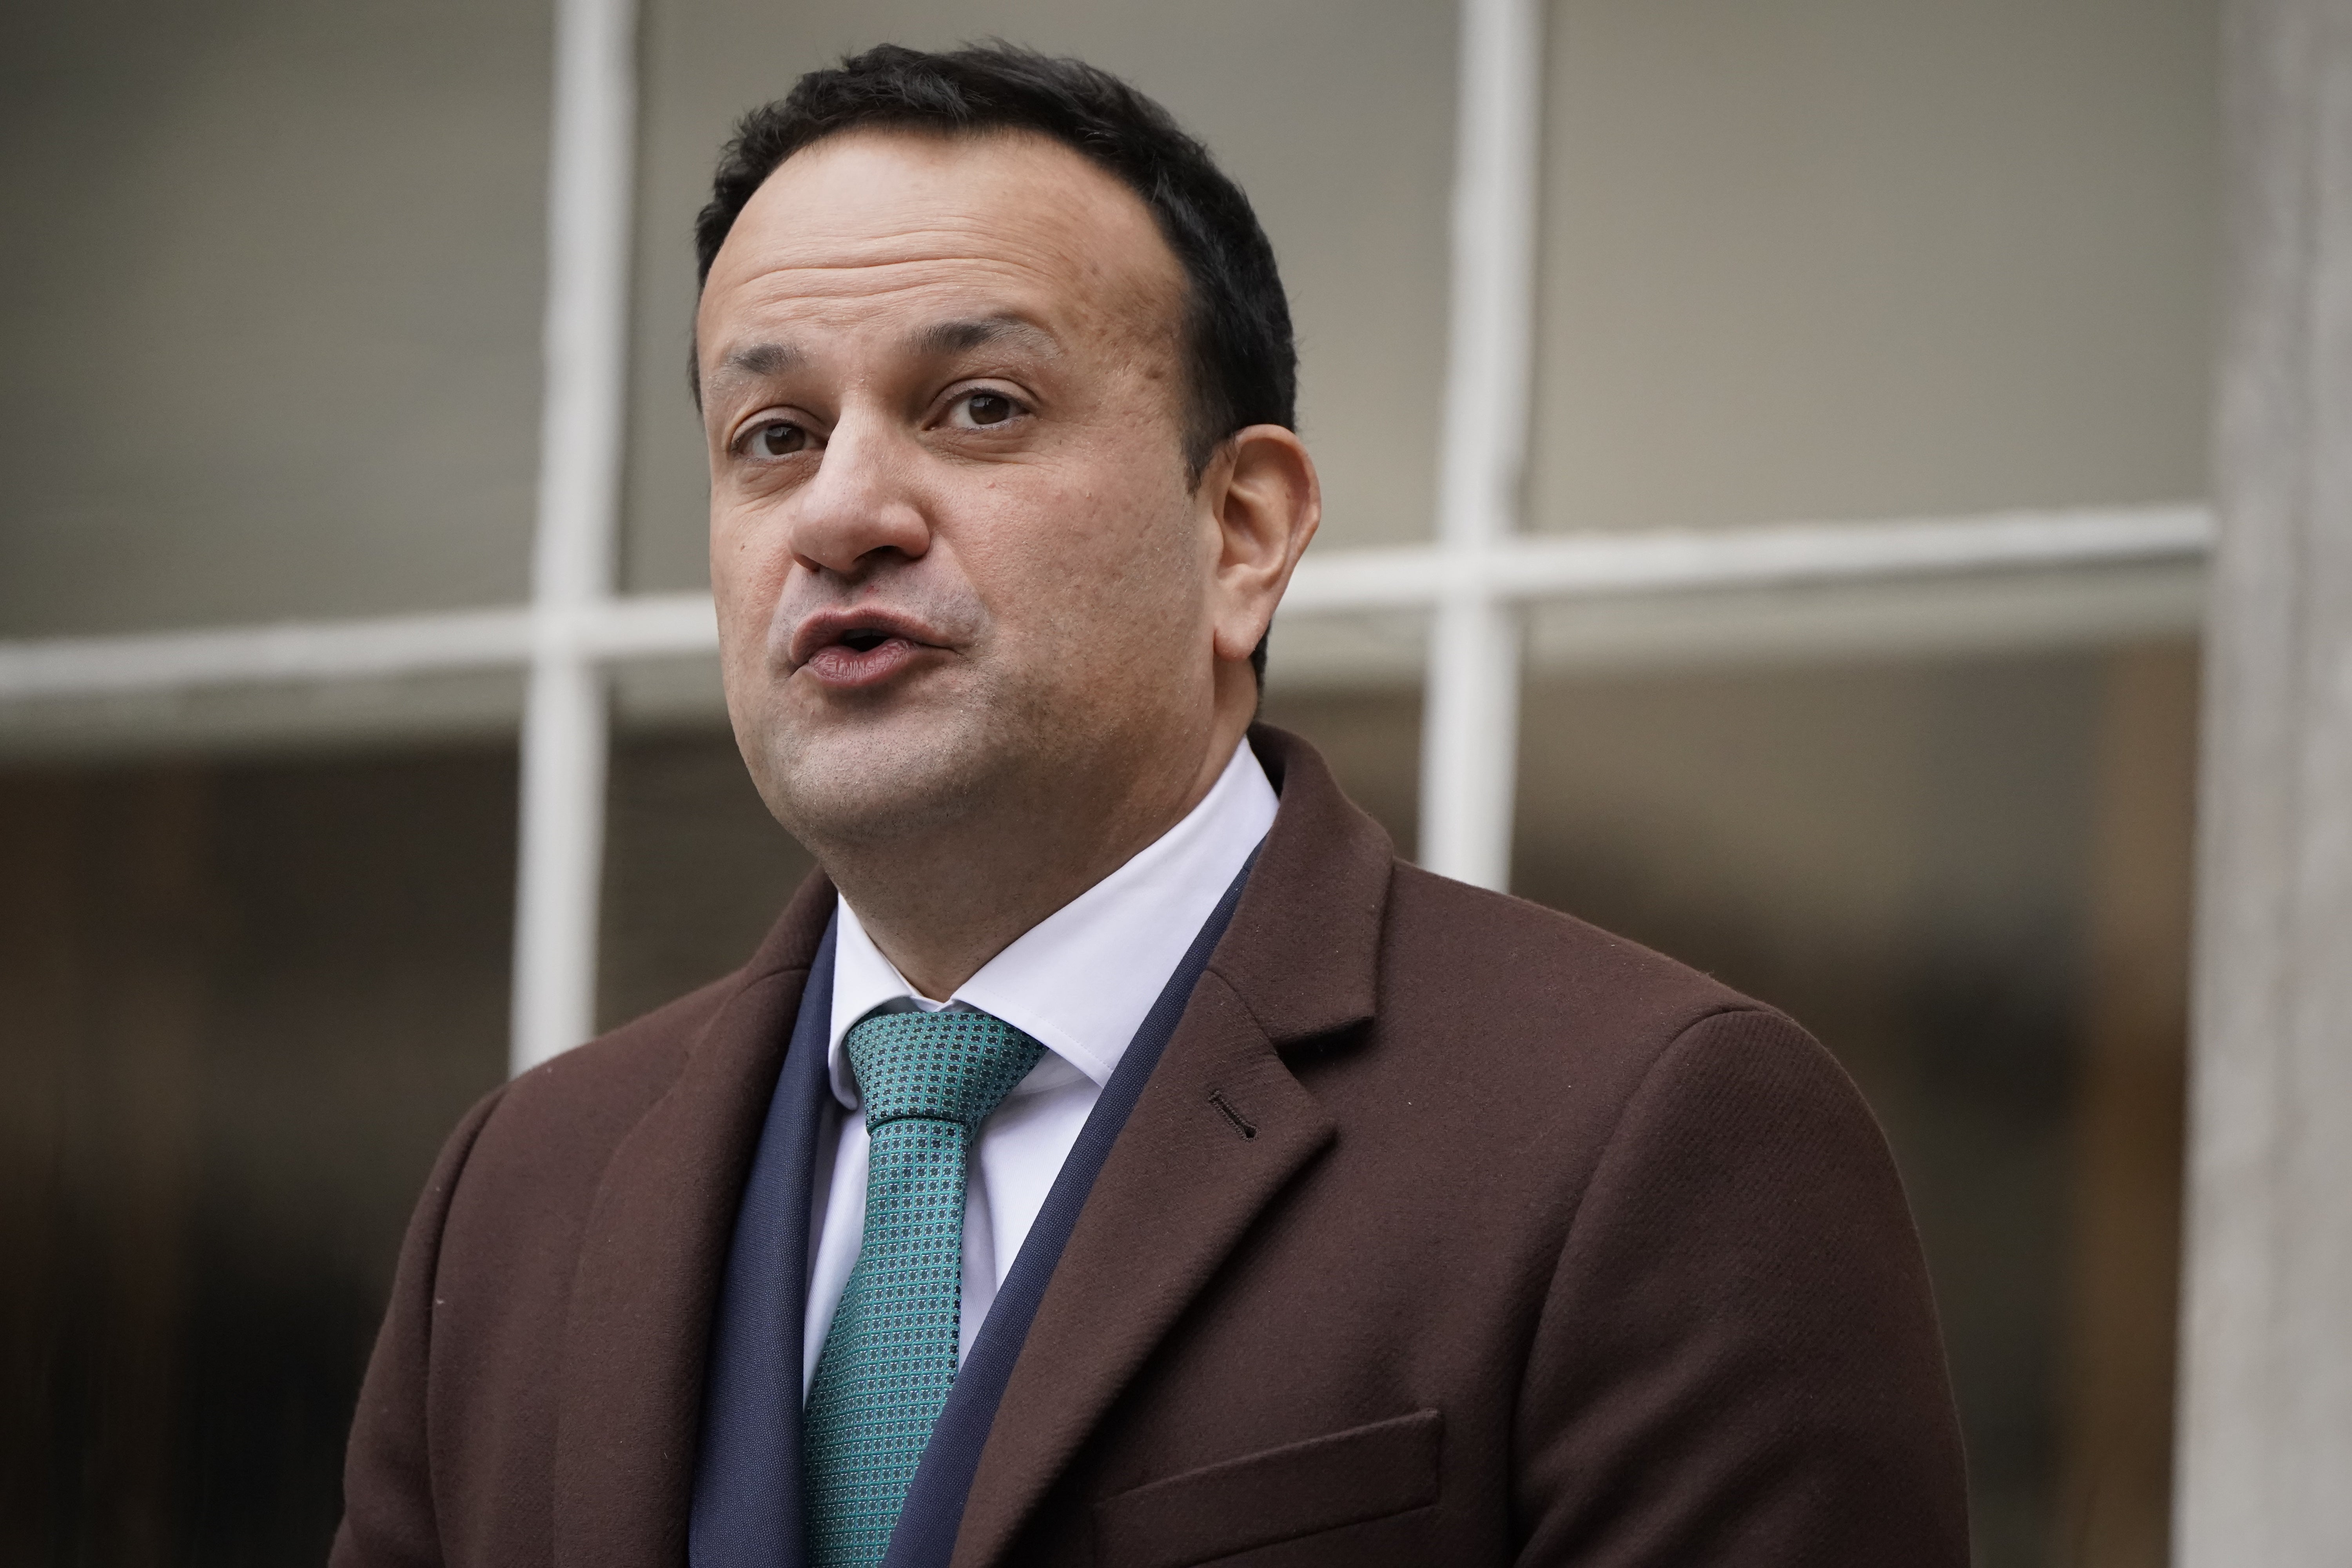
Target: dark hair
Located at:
point(1242, 365)
point(1240, 361)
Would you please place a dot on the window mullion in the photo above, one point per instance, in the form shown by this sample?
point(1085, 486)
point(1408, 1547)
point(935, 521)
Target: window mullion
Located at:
point(565, 733)
point(1469, 723)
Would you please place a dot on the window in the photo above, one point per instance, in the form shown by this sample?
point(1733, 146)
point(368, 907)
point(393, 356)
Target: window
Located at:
point(1763, 448)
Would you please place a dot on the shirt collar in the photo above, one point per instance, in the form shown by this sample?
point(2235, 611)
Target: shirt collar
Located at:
point(1080, 981)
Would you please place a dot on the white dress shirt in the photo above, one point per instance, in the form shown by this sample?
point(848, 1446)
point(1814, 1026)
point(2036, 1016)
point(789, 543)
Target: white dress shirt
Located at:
point(1079, 982)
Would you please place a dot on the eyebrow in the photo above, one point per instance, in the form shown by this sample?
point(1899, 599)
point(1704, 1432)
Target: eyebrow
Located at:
point(754, 362)
point(761, 361)
point(945, 337)
point(764, 359)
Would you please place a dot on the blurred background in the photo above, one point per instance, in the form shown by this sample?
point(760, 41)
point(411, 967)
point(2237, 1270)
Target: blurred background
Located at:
point(272, 285)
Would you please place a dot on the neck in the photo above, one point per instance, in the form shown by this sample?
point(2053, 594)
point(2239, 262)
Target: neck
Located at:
point(941, 904)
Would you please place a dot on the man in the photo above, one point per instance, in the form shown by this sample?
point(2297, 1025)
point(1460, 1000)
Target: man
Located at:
point(1115, 1155)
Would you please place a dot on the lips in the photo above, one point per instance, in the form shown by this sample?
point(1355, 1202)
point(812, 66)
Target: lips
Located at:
point(847, 649)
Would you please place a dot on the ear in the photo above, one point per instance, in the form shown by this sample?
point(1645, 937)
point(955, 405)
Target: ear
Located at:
point(1261, 498)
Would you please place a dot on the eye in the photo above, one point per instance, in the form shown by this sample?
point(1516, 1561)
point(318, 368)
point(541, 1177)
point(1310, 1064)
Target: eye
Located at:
point(979, 410)
point(775, 438)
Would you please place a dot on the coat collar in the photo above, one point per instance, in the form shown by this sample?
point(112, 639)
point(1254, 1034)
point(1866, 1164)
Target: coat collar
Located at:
point(1303, 953)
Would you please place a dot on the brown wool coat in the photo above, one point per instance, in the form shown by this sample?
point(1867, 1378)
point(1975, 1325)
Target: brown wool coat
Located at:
point(1545, 1249)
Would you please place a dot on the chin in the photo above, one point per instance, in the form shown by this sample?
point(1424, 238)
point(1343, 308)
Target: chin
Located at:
point(876, 782)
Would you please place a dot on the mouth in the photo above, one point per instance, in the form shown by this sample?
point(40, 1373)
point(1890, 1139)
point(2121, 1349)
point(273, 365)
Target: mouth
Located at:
point(846, 650)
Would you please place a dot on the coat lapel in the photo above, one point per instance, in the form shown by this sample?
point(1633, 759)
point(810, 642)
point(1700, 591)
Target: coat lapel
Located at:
point(1222, 1120)
point(649, 1267)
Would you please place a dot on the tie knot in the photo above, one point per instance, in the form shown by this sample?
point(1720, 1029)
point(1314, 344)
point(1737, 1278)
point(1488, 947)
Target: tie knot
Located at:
point(954, 1066)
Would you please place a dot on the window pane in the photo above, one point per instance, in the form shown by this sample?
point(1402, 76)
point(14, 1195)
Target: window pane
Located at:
point(1838, 258)
point(269, 308)
point(241, 1004)
point(694, 869)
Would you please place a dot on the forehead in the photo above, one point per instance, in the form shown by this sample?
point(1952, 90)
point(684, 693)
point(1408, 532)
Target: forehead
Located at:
point(895, 224)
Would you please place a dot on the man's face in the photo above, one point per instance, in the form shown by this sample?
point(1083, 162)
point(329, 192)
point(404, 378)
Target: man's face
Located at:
point(955, 552)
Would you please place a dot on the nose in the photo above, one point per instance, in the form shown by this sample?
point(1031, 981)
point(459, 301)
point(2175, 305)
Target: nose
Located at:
point(861, 506)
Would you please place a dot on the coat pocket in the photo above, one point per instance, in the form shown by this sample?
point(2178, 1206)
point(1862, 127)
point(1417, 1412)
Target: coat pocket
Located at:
point(1260, 1499)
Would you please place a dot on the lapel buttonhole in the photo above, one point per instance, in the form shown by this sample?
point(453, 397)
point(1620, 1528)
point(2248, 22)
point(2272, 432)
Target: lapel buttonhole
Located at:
point(1233, 1117)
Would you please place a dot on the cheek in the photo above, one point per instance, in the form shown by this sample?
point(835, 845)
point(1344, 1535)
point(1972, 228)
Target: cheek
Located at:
point(748, 568)
point(748, 552)
point(1111, 562)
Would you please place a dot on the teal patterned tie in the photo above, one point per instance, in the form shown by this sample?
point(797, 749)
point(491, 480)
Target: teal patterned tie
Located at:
point(929, 1081)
